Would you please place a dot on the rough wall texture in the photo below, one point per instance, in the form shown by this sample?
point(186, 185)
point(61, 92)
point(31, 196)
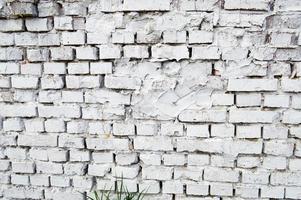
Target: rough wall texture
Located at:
point(192, 99)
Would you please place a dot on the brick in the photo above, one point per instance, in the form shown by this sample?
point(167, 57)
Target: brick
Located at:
point(52, 82)
point(247, 5)
point(135, 51)
point(222, 130)
point(200, 37)
point(63, 23)
point(11, 54)
point(291, 117)
point(122, 82)
point(48, 39)
point(221, 175)
point(48, 9)
point(73, 38)
point(101, 68)
point(23, 167)
point(37, 140)
point(17, 110)
point(197, 131)
point(86, 53)
point(62, 53)
point(6, 39)
point(205, 53)
point(252, 85)
point(54, 68)
point(31, 69)
point(202, 116)
point(71, 142)
point(252, 131)
point(72, 96)
point(67, 111)
point(78, 68)
point(253, 116)
point(248, 100)
point(158, 143)
point(37, 55)
point(97, 38)
point(8, 25)
point(279, 147)
point(176, 37)
point(157, 173)
point(144, 37)
point(107, 144)
point(38, 24)
point(21, 192)
point(291, 85)
point(26, 39)
point(144, 5)
point(83, 81)
point(276, 101)
point(123, 37)
point(166, 52)
point(98, 169)
point(9, 68)
point(109, 51)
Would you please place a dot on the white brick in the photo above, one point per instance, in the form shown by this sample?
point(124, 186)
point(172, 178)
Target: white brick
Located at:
point(37, 140)
point(158, 143)
point(97, 38)
point(122, 82)
point(78, 68)
point(135, 51)
point(86, 53)
point(272, 192)
point(150, 158)
point(221, 175)
point(171, 129)
point(38, 24)
point(275, 131)
point(62, 53)
point(144, 5)
point(174, 159)
point(275, 101)
point(157, 173)
point(172, 187)
point(109, 51)
point(202, 116)
point(221, 189)
point(291, 85)
point(48, 39)
point(31, 69)
point(123, 129)
point(198, 159)
point(146, 129)
point(67, 111)
point(13, 124)
point(98, 169)
point(251, 85)
point(123, 37)
point(52, 82)
point(102, 157)
point(75, 82)
point(23, 167)
point(247, 5)
point(72, 96)
point(63, 23)
point(252, 116)
point(107, 144)
point(174, 37)
point(101, 68)
point(54, 125)
point(200, 37)
point(71, 142)
point(248, 100)
point(17, 110)
point(126, 158)
point(291, 117)
point(252, 131)
point(222, 130)
point(6, 39)
point(206, 53)
point(197, 189)
point(165, 52)
point(197, 131)
point(54, 68)
point(274, 163)
point(279, 147)
point(9, 68)
point(25, 82)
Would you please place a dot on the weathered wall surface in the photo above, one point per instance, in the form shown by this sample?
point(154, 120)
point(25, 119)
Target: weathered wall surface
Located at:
point(193, 99)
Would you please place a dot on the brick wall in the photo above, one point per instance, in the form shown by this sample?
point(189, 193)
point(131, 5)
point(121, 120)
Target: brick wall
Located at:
point(192, 99)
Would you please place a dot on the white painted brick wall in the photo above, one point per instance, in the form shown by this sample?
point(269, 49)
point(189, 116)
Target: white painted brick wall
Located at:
point(184, 99)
